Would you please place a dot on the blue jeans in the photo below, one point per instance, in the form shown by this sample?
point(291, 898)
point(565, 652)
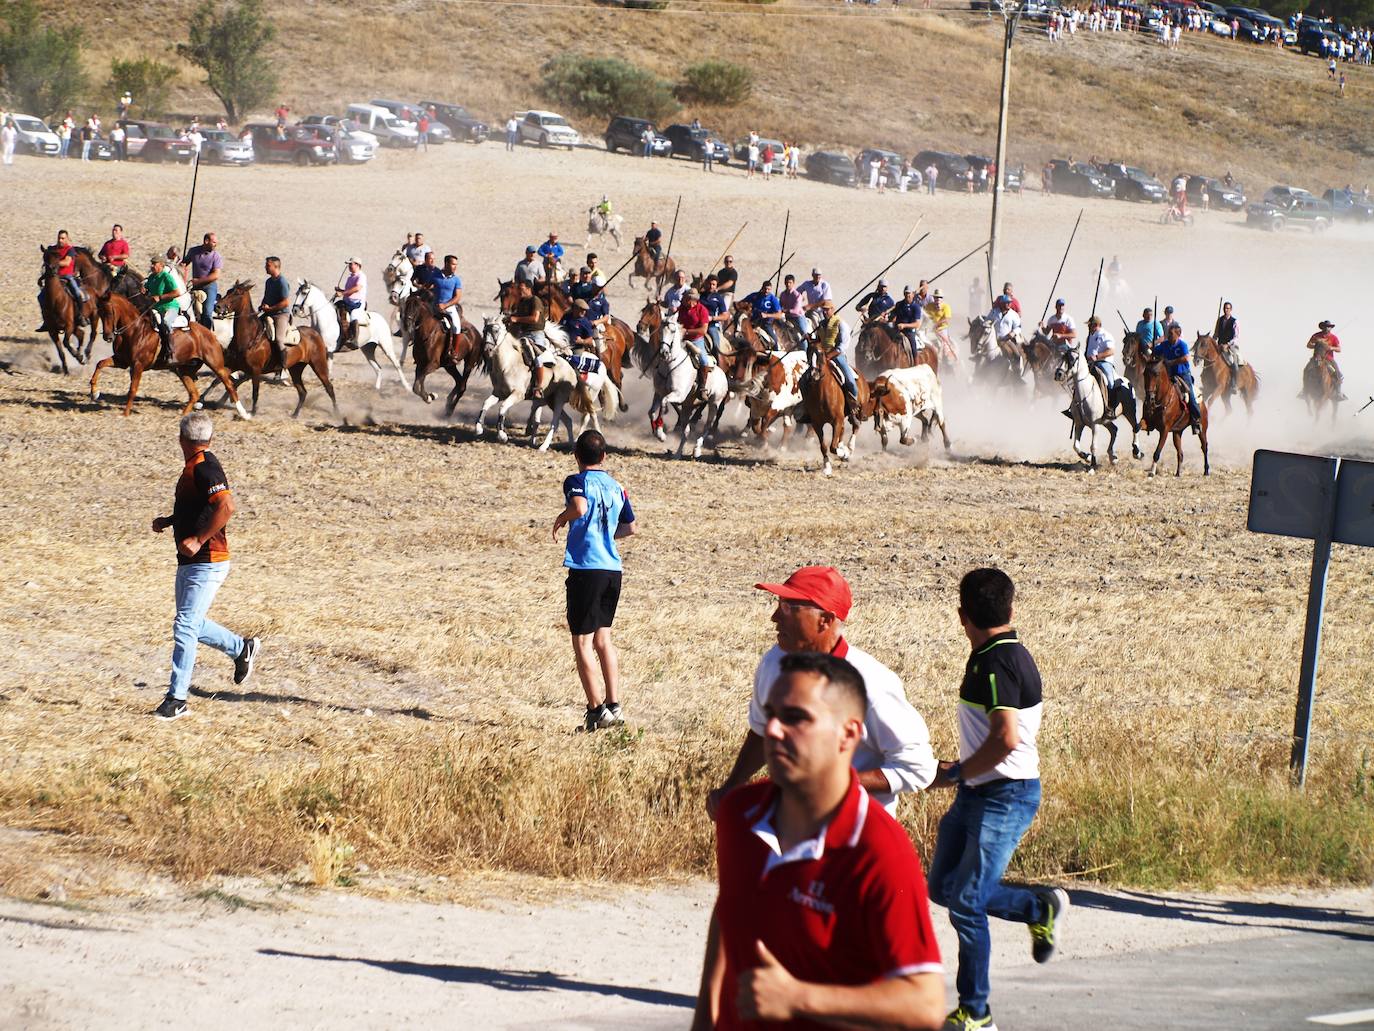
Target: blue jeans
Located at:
point(1193, 410)
point(713, 331)
point(207, 314)
point(511, 139)
point(850, 386)
point(703, 355)
point(196, 587)
point(974, 844)
point(799, 322)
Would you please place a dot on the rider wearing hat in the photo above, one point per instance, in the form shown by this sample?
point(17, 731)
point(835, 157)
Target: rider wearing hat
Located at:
point(352, 297)
point(1060, 326)
point(1323, 335)
point(695, 318)
point(163, 290)
point(827, 344)
point(1169, 320)
point(577, 326)
point(815, 291)
point(906, 317)
point(940, 313)
point(1100, 349)
point(531, 270)
point(1006, 324)
point(1174, 352)
point(876, 303)
point(551, 252)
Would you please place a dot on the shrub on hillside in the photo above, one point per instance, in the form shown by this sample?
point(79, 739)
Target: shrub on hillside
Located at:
point(647, 5)
point(716, 82)
point(607, 86)
point(40, 67)
point(147, 81)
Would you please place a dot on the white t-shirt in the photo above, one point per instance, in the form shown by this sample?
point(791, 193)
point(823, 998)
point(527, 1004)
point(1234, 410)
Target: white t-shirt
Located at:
point(1063, 323)
point(1098, 342)
point(1006, 323)
point(896, 739)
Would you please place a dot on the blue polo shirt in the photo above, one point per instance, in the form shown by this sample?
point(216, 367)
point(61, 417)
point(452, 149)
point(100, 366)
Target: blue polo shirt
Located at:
point(555, 249)
point(880, 304)
point(764, 304)
point(1172, 352)
point(1149, 331)
point(591, 539)
point(714, 302)
point(445, 287)
point(577, 327)
point(426, 274)
point(598, 307)
point(906, 311)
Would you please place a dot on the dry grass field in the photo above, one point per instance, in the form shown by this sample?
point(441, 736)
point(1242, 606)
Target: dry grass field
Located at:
point(415, 706)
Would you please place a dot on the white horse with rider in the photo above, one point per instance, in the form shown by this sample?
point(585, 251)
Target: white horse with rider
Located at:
point(603, 223)
point(1095, 402)
point(311, 303)
point(399, 278)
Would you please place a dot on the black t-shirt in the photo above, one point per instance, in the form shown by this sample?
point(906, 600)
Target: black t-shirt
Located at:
point(202, 480)
point(726, 279)
point(1001, 675)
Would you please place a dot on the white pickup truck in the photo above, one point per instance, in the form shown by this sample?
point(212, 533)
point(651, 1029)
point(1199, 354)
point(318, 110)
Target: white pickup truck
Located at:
point(547, 129)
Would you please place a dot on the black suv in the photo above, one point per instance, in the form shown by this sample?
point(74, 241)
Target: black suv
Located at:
point(830, 166)
point(690, 142)
point(460, 121)
point(628, 134)
point(1131, 183)
point(953, 170)
point(1011, 178)
point(1079, 180)
point(1219, 195)
point(1349, 206)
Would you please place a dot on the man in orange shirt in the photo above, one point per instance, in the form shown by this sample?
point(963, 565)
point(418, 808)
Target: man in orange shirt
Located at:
point(1323, 337)
point(200, 513)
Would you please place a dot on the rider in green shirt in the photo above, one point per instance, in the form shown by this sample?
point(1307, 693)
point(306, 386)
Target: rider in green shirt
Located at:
point(164, 291)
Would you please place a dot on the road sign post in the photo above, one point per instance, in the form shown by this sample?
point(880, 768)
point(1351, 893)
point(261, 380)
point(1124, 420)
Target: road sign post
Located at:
point(1324, 500)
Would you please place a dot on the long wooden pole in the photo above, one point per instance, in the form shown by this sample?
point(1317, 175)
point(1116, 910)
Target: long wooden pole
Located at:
point(951, 268)
point(1101, 263)
point(1055, 287)
point(712, 267)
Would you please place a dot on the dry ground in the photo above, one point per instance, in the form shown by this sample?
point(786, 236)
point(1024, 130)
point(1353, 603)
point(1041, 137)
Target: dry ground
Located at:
point(415, 706)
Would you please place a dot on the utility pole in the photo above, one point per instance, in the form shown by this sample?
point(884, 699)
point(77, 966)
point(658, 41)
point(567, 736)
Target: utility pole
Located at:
point(1011, 14)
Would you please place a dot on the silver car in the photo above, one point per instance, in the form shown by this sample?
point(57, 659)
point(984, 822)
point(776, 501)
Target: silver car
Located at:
point(222, 147)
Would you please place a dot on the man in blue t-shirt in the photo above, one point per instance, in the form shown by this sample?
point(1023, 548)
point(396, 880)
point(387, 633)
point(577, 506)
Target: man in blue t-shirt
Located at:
point(597, 514)
point(1174, 353)
point(715, 304)
point(765, 312)
point(447, 288)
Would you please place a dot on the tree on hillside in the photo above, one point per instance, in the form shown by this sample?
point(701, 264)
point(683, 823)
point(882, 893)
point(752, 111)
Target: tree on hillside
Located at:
point(40, 67)
point(147, 80)
point(230, 44)
point(607, 86)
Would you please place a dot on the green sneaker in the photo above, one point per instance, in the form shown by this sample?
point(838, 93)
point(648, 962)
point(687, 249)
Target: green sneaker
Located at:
point(962, 1020)
point(1043, 935)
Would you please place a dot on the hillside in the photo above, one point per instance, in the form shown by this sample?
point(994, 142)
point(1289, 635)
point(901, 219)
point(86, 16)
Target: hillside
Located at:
point(833, 75)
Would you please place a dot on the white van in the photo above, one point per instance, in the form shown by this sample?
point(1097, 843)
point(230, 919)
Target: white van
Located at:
point(37, 138)
point(389, 130)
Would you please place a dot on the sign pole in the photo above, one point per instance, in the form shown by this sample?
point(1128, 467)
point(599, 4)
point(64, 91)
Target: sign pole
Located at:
point(1312, 632)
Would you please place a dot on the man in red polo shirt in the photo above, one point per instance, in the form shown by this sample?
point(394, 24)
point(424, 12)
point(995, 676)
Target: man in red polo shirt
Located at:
point(822, 916)
point(115, 251)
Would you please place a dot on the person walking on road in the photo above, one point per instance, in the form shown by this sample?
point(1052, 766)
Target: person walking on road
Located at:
point(512, 133)
point(202, 509)
point(895, 754)
point(997, 779)
point(597, 513)
point(821, 916)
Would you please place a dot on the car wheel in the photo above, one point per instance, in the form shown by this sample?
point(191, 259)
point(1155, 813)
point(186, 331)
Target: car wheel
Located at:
point(1277, 223)
point(543, 139)
point(302, 158)
point(1321, 225)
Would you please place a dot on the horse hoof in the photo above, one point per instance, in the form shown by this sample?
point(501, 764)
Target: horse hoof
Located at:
point(660, 434)
point(429, 398)
point(827, 470)
point(199, 405)
point(624, 407)
point(696, 451)
point(503, 437)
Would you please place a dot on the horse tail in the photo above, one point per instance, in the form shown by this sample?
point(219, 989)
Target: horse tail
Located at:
point(610, 400)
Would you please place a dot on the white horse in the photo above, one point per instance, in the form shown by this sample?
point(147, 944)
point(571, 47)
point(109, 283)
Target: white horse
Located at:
point(399, 279)
point(674, 376)
point(704, 407)
point(600, 225)
point(1090, 408)
point(312, 303)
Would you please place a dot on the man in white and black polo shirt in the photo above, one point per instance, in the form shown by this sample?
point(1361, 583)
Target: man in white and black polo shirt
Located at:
point(997, 778)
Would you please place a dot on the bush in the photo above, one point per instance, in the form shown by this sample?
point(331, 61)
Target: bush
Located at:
point(607, 86)
point(716, 82)
point(148, 82)
point(40, 67)
point(647, 5)
point(230, 44)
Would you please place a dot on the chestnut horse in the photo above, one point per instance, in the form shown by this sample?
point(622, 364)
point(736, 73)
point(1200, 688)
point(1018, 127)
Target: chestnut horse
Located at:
point(823, 398)
point(136, 346)
point(430, 348)
point(1165, 411)
point(1217, 378)
point(1319, 383)
point(1134, 355)
point(882, 347)
point(555, 300)
point(1042, 353)
point(646, 269)
point(251, 353)
point(59, 313)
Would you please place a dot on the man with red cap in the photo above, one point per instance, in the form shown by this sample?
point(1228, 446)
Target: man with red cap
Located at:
point(895, 753)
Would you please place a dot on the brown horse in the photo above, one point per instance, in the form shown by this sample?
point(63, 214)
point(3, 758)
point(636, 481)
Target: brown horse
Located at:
point(135, 346)
point(1165, 411)
point(1134, 355)
point(251, 353)
point(430, 340)
point(1042, 353)
point(555, 300)
point(823, 398)
point(1320, 384)
point(882, 347)
point(662, 271)
point(1219, 380)
point(59, 313)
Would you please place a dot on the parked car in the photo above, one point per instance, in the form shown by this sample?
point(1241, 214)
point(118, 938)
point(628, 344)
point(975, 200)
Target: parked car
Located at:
point(1219, 195)
point(742, 152)
point(462, 123)
point(831, 166)
point(153, 141)
point(36, 138)
point(1011, 177)
point(1312, 36)
point(410, 114)
point(303, 144)
point(348, 129)
point(351, 148)
point(1349, 207)
point(691, 142)
point(547, 129)
point(222, 147)
point(1297, 212)
point(101, 149)
point(889, 158)
point(1131, 183)
point(1080, 180)
point(1283, 194)
point(953, 169)
point(381, 123)
point(628, 134)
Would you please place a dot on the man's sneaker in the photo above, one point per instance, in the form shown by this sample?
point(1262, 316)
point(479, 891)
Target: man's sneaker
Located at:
point(962, 1020)
point(1044, 936)
point(613, 717)
point(594, 718)
point(171, 709)
point(243, 665)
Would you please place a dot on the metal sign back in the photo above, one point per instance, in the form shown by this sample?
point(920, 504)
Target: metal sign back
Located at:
point(1355, 504)
point(1288, 493)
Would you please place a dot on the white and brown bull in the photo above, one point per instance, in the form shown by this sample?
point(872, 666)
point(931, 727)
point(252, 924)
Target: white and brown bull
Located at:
point(902, 396)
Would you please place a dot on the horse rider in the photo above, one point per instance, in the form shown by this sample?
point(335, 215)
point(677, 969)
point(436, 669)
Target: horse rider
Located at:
point(1006, 324)
point(715, 304)
point(163, 291)
point(1114, 273)
point(828, 344)
point(416, 249)
point(653, 243)
point(906, 318)
point(695, 318)
point(604, 208)
point(67, 276)
point(941, 314)
point(598, 277)
point(526, 321)
point(598, 311)
point(551, 253)
point(446, 287)
point(114, 252)
point(531, 269)
point(923, 297)
point(793, 306)
point(1149, 330)
point(582, 287)
point(764, 311)
point(1168, 322)
point(352, 297)
point(1060, 327)
point(1324, 336)
point(1227, 337)
point(726, 279)
point(672, 297)
point(275, 309)
point(876, 303)
point(425, 271)
point(204, 265)
point(1174, 352)
point(1099, 350)
point(174, 270)
point(815, 292)
point(575, 323)
point(1010, 294)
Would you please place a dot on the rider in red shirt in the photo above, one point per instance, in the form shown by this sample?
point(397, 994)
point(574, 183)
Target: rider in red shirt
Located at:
point(67, 274)
point(1324, 336)
point(115, 251)
point(694, 318)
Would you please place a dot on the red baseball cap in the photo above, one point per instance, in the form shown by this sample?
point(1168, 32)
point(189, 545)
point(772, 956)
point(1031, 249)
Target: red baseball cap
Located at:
point(822, 586)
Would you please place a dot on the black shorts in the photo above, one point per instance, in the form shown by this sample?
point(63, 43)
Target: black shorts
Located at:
point(592, 598)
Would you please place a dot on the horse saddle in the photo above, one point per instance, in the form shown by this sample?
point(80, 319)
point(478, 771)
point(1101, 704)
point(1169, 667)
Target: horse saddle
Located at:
point(584, 364)
point(809, 376)
point(1103, 385)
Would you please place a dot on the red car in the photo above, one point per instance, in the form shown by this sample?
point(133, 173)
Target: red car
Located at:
point(153, 141)
point(303, 144)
